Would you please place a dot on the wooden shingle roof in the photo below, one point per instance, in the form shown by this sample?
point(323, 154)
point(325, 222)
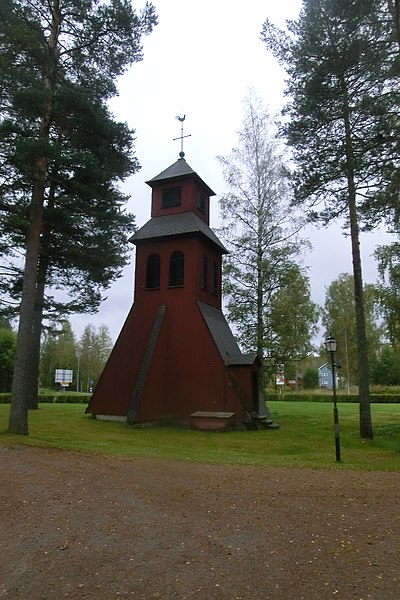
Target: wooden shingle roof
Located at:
point(176, 225)
point(179, 170)
point(223, 336)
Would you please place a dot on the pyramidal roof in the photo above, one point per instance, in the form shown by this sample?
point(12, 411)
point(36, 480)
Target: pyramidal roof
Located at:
point(177, 224)
point(179, 170)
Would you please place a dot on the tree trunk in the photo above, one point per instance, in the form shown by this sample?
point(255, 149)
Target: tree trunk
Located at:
point(18, 419)
point(346, 349)
point(394, 9)
point(34, 361)
point(363, 366)
point(262, 408)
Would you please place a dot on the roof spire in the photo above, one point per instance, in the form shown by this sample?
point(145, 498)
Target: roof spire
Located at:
point(181, 137)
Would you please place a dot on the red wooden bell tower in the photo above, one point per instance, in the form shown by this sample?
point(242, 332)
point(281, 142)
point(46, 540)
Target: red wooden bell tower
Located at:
point(176, 355)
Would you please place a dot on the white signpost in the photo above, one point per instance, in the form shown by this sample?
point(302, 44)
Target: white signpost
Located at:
point(64, 377)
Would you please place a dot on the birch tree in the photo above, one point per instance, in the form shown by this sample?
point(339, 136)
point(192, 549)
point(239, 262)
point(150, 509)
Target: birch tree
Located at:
point(261, 234)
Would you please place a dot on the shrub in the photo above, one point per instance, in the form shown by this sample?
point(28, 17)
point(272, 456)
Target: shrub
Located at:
point(310, 379)
point(65, 397)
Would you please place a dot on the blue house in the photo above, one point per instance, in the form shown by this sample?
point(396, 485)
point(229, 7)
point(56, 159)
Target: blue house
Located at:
point(325, 376)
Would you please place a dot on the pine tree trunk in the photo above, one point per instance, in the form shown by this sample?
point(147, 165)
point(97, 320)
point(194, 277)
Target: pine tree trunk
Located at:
point(394, 9)
point(363, 366)
point(34, 361)
point(18, 419)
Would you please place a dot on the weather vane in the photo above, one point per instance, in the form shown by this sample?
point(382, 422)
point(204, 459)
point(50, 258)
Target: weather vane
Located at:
point(181, 137)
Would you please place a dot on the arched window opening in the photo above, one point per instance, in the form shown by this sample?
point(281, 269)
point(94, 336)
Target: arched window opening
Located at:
point(176, 269)
point(214, 278)
point(204, 272)
point(153, 271)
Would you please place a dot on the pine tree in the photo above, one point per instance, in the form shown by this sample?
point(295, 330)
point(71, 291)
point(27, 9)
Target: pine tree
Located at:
point(343, 125)
point(61, 149)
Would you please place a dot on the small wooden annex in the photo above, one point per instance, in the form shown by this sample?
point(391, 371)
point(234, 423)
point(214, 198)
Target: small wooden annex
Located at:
point(176, 357)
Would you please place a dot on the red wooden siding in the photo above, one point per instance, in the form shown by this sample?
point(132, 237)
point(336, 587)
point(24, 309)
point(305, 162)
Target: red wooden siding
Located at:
point(170, 359)
point(189, 190)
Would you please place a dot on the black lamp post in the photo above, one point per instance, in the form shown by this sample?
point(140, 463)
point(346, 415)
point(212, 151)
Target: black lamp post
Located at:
point(331, 347)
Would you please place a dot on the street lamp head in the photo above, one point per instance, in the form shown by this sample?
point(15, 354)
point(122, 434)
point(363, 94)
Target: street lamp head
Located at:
point(331, 344)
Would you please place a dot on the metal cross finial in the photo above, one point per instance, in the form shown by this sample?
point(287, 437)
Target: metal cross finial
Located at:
point(181, 119)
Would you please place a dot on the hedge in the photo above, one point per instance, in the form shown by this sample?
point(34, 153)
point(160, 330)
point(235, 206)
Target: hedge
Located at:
point(65, 397)
point(62, 398)
point(76, 398)
point(374, 398)
point(5, 398)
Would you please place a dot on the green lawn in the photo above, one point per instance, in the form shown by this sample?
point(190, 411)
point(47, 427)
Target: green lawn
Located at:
point(305, 437)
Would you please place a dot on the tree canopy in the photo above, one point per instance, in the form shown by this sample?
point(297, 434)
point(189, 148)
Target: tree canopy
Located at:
point(343, 103)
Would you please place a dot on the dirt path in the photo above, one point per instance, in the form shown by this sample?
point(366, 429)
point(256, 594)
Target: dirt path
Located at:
point(81, 526)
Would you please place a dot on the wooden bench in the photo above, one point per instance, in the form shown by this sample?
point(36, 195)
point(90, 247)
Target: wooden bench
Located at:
point(212, 421)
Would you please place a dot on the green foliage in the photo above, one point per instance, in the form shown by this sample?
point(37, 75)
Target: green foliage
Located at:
point(58, 351)
point(389, 289)
point(310, 379)
point(379, 395)
point(60, 398)
point(83, 210)
point(86, 357)
point(64, 398)
point(339, 319)
point(8, 341)
point(339, 56)
point(294, 316)
point(261, 280)
point(385, 389)
point(94, 348)
point(386, 367)
point(382, 398)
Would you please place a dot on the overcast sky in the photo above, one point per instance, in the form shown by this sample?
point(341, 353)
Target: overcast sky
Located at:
point(200, 61)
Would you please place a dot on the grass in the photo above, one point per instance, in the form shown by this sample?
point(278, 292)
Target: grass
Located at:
point(305, 437)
